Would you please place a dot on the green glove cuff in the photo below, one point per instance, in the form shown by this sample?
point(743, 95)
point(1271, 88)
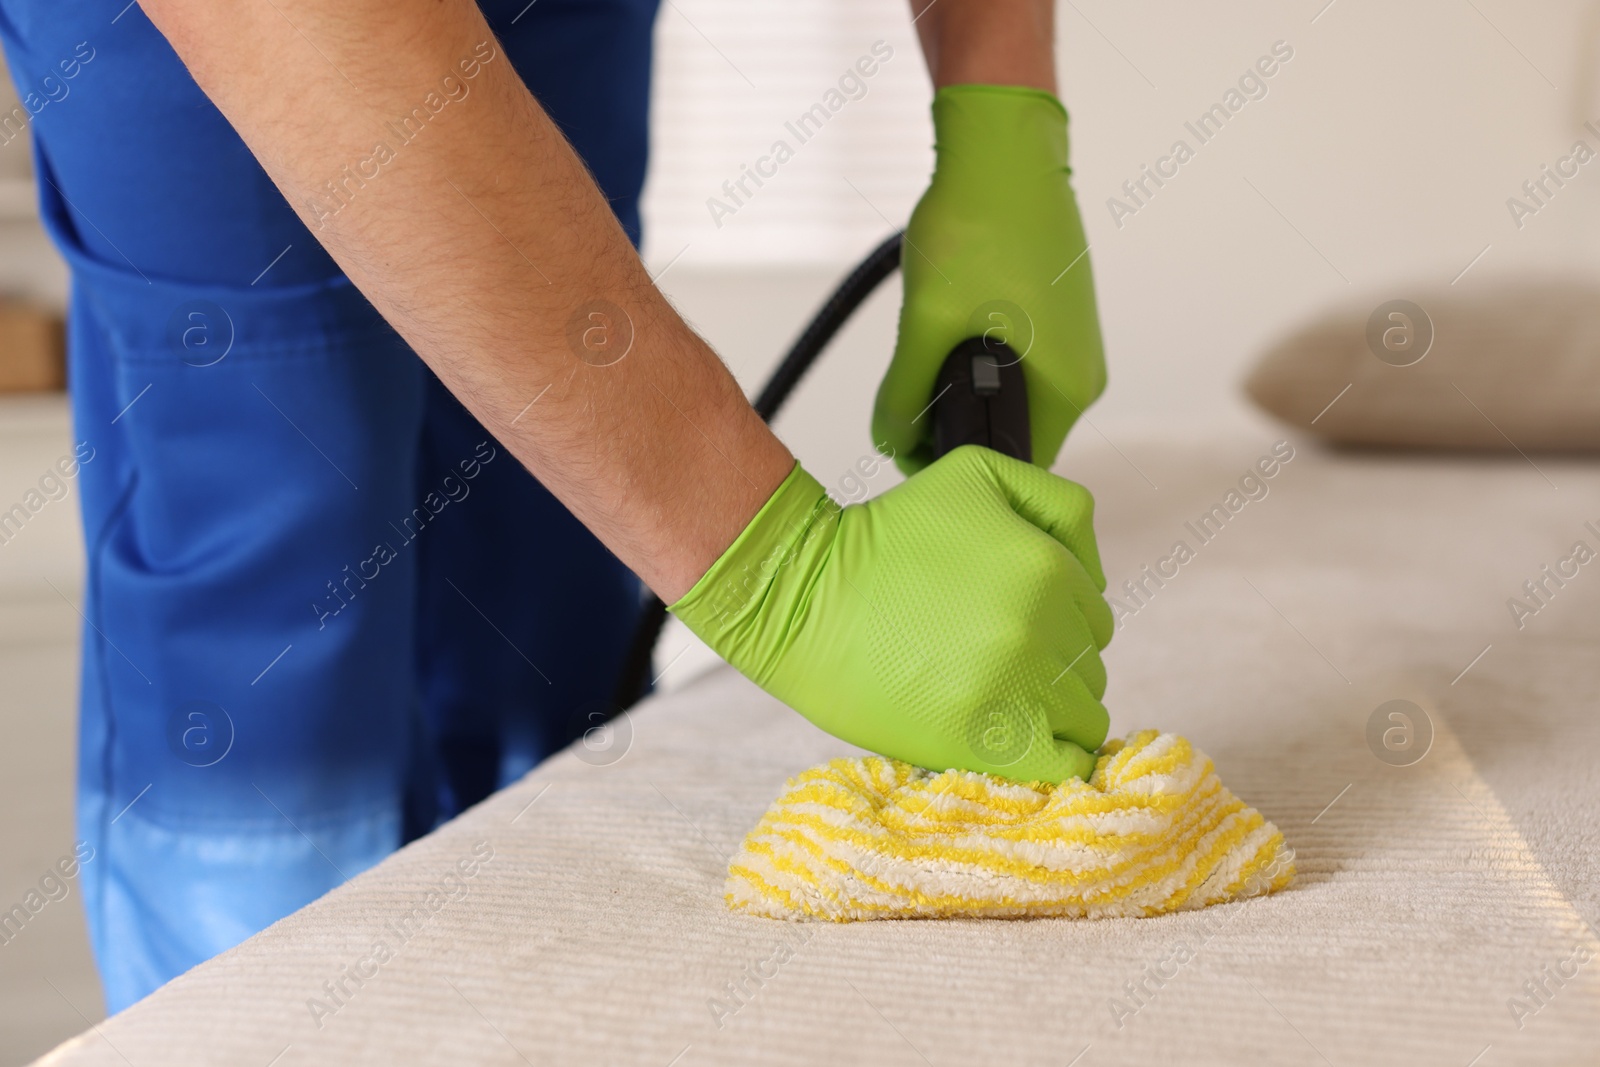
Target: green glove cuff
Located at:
point(981, 126)
point(725, 606)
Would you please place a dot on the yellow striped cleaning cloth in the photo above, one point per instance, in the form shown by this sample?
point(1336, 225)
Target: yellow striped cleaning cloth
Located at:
point(1152, 831)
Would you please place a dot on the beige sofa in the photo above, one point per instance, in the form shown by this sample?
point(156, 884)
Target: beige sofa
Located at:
point(1433, 899)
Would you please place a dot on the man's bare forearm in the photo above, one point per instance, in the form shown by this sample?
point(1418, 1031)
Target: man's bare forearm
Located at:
point(486, 244)
point(988, 42)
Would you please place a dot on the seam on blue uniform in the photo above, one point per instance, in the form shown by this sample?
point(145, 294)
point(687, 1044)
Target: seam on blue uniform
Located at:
point(109, 732)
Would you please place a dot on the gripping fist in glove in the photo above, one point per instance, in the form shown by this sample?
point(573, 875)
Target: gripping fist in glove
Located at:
point(995, 248)
point(954, 621)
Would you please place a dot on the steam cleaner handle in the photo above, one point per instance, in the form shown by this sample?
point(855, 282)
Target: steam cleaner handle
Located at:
point(980, 398)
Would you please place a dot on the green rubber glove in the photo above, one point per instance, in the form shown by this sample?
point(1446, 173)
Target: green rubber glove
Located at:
point(996, 246)
point(954, 621)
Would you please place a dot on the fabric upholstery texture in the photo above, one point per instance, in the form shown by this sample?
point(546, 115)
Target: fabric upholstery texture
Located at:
point(1152, 831)
point(1499, 367)
point(1429, 899)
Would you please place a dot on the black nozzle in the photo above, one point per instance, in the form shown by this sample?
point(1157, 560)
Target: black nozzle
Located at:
point(981, 399)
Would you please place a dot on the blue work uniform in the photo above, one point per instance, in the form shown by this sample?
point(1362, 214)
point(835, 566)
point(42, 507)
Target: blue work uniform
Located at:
point(325, 609)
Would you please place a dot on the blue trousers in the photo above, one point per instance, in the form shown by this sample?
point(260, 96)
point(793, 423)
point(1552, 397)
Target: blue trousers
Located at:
point(326, 609)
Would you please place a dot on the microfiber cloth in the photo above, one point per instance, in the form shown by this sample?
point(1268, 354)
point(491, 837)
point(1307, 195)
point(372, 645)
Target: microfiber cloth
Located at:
point(1152, 831)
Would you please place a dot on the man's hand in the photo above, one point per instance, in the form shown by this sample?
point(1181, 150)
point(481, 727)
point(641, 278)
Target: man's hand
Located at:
point(954, 621)
point(996, 249)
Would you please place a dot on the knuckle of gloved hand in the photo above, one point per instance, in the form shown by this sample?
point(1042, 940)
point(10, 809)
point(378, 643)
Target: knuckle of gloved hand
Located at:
point(966, 455)
point(1044, 565)
point(1078, 502)
point(1009, 639)
point(1093, 674)
point(1102, 621)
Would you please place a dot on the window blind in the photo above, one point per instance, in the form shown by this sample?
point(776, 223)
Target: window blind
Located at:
point(793, 131)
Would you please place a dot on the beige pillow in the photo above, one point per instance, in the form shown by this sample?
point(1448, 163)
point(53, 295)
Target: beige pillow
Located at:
point(1492, 366)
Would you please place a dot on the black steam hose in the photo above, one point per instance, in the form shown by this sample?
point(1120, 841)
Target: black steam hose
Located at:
point(834, 313)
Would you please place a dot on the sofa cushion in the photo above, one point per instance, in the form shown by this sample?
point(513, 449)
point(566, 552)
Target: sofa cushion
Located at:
point(1496, 366)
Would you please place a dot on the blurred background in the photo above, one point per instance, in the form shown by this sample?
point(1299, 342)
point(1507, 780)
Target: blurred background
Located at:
point(1380, 160)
